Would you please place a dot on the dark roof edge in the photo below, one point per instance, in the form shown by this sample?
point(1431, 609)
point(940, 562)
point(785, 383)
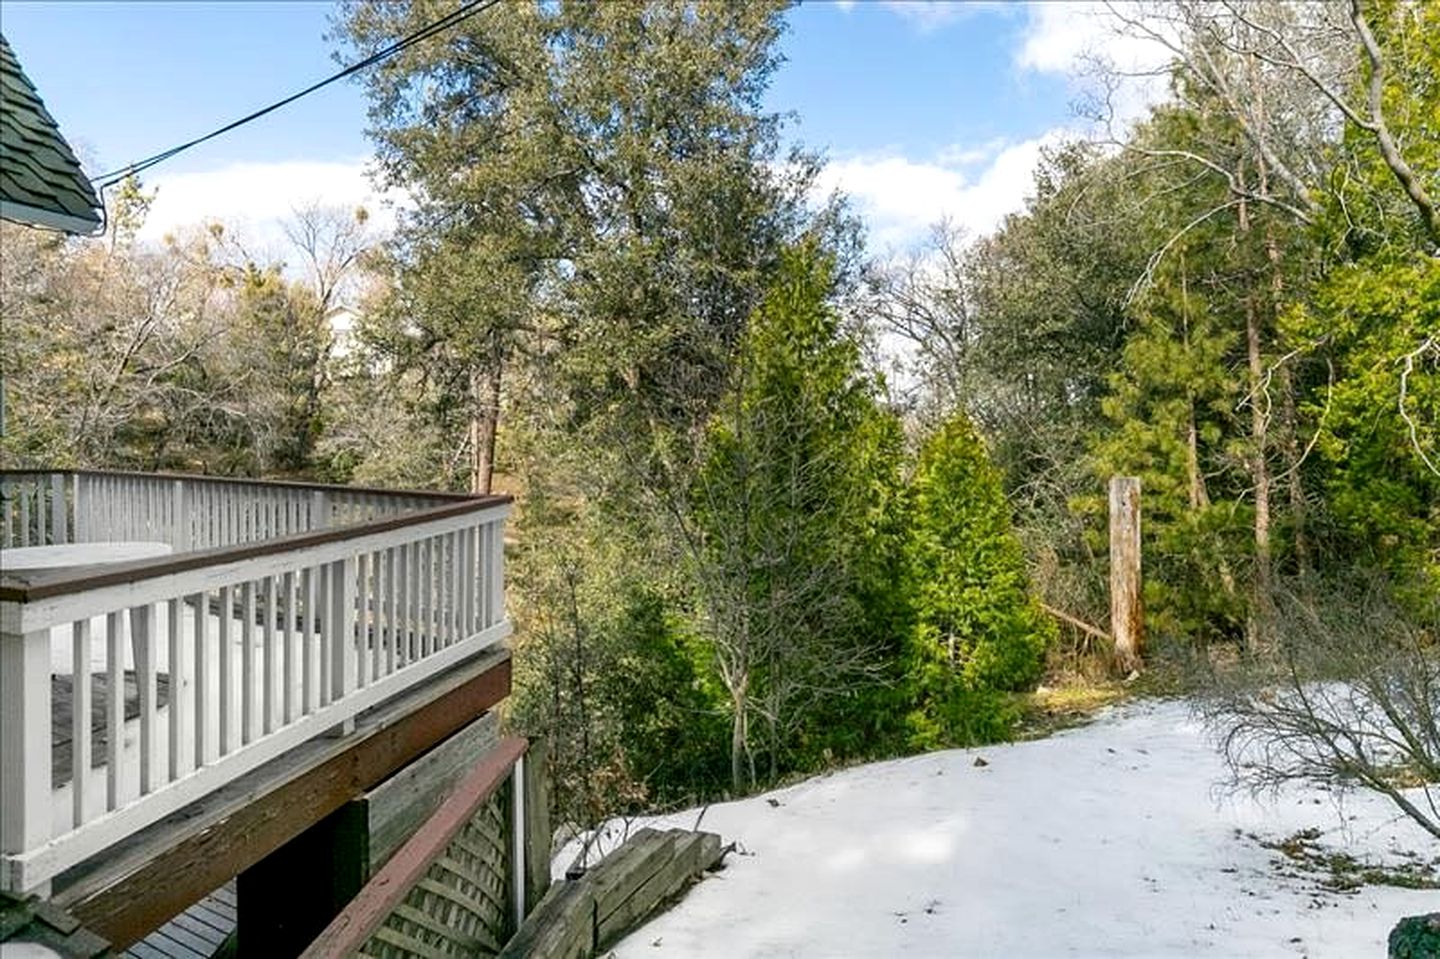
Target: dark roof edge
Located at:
point(48, 219)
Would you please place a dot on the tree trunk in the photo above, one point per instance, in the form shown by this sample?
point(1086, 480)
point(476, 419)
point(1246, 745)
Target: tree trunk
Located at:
point(1295, 483)
point(1288, 442)
point(739, 738)
point(484, 422)
point(1257, 627)
point(1195, 480)
point(1127, 622)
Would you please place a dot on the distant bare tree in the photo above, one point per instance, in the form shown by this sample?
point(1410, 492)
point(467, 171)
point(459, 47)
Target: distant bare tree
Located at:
point(1353, 701)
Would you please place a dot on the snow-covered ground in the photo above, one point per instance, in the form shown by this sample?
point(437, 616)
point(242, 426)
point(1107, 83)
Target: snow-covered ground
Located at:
point(1116, 839)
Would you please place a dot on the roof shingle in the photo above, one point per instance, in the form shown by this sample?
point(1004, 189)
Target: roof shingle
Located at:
point(41, 183)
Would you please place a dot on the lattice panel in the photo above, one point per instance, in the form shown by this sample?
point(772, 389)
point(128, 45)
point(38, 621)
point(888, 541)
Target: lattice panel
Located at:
point(463, 906)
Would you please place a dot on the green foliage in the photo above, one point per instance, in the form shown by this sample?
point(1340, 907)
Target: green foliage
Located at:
point(977, 632)
point(788, 521)
point(1378, 440)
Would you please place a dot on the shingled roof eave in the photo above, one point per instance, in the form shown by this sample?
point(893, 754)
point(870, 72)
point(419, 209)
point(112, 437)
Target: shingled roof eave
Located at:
point(76, 207)
point(27, 215)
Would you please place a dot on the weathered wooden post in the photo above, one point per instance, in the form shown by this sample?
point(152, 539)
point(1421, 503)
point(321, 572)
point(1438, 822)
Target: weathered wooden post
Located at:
point(1127, 622)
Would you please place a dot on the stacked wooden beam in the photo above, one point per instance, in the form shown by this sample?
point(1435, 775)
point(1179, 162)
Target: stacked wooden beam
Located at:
point(582, 917)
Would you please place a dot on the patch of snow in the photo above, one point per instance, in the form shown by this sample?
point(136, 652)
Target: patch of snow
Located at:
point(1116, 839)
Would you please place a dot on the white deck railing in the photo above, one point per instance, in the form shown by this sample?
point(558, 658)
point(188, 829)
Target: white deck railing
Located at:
point(285, 611)
point(186, 512)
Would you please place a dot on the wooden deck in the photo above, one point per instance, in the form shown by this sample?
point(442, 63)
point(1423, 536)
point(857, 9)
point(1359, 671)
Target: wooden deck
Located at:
point(197, 933)
point(62, 709)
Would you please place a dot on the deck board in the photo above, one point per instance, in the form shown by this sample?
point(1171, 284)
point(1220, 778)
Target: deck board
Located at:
point(197, 933)
point(62, 709)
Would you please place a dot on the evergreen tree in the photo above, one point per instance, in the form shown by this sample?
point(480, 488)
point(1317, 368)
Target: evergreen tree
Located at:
point(977, 631)
point(780, 524)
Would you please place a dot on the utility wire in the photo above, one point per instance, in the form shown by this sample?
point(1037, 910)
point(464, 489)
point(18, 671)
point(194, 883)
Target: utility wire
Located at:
point(467, 9)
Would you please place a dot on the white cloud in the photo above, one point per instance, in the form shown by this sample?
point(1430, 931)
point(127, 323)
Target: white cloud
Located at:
point(252, 199)
point(901, 198)
point(934, 14)
point(1073, 38)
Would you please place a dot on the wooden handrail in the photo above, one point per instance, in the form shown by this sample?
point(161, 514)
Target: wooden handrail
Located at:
point(245, 480)
point(44, 584)
point(389, 887)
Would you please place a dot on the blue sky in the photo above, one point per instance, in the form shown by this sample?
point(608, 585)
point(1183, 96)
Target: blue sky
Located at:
point(925, 109)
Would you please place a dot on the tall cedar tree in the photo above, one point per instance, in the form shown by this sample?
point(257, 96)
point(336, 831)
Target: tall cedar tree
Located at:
point(977, 632)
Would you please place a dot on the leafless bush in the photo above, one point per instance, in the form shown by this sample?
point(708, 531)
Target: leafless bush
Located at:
point(1350, 700)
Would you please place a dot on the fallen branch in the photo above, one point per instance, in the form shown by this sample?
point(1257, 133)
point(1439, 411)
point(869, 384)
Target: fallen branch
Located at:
point(1079, 624)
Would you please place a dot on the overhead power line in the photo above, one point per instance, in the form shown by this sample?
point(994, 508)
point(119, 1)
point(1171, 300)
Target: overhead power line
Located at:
point(467, 9)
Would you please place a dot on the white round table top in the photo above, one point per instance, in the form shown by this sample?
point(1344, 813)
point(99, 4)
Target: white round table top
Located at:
point(78, 554)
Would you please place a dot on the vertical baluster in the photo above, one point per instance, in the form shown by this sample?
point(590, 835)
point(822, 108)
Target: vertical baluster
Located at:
point(229, 500)
point(291, 674)
point(227, 671)
point(340, 628)
point(142, 641)
point(7, 513)
point(247, 662)
point(58, 531)
point(392, 608)
point(271, 661)
point(496, 589)
point(362, 623)
point(77, 486)
point(24, 515)
point(114, 704)
point(401, 638)
point(309, 698)
point(203, 671)
point(443, 635)
point(80, 719)
point(324, 589)
point(377, 613)
point(412, 602)
point(457, 584)
point(179, 531)
point(467, 581)
point(444, 584)
point(42, 510)
point(483, 574)
point(437, 590)
point(175, 627)
point(425, 605)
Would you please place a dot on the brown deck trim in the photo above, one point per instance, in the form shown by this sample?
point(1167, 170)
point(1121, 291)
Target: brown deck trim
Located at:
point(179, 860)
point(243, 481)
point(26, 588)
point(348, 931)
